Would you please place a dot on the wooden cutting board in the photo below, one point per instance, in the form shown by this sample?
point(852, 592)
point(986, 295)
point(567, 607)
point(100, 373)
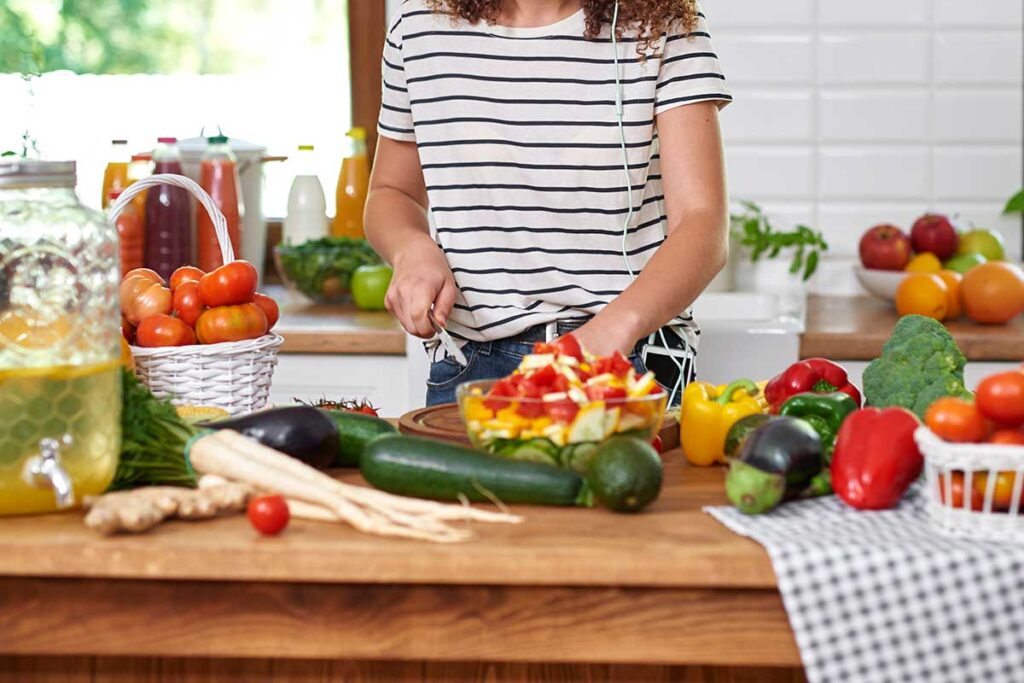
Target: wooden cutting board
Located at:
point(443, 422)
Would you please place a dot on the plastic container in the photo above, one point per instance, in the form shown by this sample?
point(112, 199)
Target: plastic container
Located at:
point(353, 186)
point(218, 176)
point(131, 234)
point(60, 367)
point(168, 215)
point(115, 176)
point(307, 207)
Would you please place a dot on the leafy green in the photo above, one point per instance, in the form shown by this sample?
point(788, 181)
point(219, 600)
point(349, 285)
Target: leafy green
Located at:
point(919, 365)
point(1016, 203)
point(754, 231)
point(153, 441)
point(322, 268)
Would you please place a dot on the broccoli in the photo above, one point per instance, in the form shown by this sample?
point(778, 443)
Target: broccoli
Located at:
point(919, 364)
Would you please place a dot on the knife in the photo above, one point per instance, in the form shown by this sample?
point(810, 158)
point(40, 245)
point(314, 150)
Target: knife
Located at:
point(450, 347)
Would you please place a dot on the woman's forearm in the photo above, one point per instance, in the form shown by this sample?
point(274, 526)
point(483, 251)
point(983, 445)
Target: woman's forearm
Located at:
point(394, 221)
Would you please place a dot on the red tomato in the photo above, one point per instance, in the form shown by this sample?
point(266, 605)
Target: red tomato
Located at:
point(268, 515)
point(543, 348)
point(500, 395)
point(616, 364)
point(185, 274)
point(956, 420)
point(127, 331)
point(560, 384)
point(1007, 437)
point(658, 444)
point(539, 382)
point(144, 273)
point(231, 284)
point(561, 411)
point(188, 304)
point(269, 308)
point(231, 323)
point(610, 395)
point(568, 345)
point(1000, 398)
point(163, 330)
point(365, 409)
point(531, 409)
point(957, 491)
point(1002, 492)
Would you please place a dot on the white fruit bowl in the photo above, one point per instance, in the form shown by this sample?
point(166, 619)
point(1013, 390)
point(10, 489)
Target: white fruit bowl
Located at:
point(880, 283)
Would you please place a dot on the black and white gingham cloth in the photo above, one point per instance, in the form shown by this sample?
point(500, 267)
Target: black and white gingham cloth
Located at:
point(875, 597)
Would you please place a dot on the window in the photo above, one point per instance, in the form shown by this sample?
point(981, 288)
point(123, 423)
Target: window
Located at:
point(273, 72)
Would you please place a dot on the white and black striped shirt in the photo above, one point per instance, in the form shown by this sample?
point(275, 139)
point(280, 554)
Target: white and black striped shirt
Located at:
point(517, 136)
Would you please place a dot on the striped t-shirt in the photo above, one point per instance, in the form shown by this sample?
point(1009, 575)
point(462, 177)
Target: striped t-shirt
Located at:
point(517, 136)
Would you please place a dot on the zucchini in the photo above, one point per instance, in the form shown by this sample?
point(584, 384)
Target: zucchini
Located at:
point(355, 432)
point(411, 466)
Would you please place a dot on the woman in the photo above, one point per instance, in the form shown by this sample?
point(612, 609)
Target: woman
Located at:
point(500, 120)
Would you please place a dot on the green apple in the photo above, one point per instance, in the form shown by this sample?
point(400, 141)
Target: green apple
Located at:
point(369, 285)
point(988, 243)
point(962, 263)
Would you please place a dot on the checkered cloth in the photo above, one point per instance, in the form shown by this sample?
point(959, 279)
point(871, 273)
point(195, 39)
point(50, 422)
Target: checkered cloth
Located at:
point(875, 597)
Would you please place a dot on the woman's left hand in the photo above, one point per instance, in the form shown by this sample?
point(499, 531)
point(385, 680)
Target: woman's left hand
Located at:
point(602, 338)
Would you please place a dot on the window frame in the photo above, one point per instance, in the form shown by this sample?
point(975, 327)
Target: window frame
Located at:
point(367, 24)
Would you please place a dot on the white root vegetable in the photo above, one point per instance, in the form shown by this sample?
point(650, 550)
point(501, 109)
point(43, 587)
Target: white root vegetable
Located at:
point(238, 458)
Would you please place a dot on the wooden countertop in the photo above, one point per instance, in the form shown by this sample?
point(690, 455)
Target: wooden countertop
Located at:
point(856, 328)
point(338, 328)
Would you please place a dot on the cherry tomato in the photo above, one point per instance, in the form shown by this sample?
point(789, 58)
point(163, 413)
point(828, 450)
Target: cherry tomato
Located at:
point(231, 284)
point(144, 273)
point(568, 345)
point(957, 491)
point(188, 304)
point(1002, 493)
point(956, 420)
point(365, 409)
point(561, 411)
point(1000, 398)
point(268, 515)
point(163, 330)
point(610, 395)
point(185, 274)
point(1007, 437)
point(658, 443)
point(231, 323)
point(269, 308)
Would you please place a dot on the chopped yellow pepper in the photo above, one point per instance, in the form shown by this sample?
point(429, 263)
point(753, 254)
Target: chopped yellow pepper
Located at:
point(707, 414)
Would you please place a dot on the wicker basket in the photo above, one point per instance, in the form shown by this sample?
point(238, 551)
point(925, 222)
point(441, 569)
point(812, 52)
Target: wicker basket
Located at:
point(976, 516)
point(235, 376)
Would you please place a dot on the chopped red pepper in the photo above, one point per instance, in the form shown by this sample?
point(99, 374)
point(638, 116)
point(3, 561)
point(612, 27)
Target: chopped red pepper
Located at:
point(817, 375)
point(615, 364)
point(875, 458)
point(563, 410)
point(500, 394)
point(608, 394)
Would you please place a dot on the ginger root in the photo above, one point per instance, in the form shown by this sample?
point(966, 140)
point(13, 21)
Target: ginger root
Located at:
point(142, 509)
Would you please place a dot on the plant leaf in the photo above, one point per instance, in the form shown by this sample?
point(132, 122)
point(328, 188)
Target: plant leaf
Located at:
point(811, 265)
point(1016, 203)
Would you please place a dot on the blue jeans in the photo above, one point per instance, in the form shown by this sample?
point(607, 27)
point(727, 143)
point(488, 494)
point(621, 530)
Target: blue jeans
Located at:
point(487, 360)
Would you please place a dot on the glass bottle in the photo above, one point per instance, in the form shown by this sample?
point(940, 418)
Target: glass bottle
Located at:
point(353, 186)
point(168, 215)
point(218, 175)
point(115, 175)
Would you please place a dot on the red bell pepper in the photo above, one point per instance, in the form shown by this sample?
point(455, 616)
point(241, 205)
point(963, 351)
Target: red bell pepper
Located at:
point(817, 375)
point(875, 458)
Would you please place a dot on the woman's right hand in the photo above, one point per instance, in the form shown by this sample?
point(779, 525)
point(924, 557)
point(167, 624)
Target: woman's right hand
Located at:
point(422, 280)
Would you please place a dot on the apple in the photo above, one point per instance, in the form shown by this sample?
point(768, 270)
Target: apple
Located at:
point(962, 263)
point(885, 247)
point(934, 233)
point(988, 243)
point(369, 285)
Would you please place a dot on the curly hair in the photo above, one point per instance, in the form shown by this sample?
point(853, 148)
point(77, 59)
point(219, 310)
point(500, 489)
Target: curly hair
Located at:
point(649, 19)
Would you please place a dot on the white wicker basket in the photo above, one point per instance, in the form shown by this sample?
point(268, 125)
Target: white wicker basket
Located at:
point(235, 376)
point(976, 517)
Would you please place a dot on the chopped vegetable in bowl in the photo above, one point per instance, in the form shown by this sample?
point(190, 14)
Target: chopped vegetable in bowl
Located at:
point(557, 407)
point(322, 269)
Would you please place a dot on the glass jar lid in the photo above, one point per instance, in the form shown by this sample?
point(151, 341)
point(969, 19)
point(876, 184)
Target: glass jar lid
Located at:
point(36, 173)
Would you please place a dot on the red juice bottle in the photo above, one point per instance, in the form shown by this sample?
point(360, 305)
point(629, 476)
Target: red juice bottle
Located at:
point(168, 215)
point(218, 175)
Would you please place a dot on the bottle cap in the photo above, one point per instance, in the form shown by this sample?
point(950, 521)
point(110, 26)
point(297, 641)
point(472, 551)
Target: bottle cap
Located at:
point(142, 156)
point(119, 142)
point(217, 140)
point(305, 148)
point(167, 140)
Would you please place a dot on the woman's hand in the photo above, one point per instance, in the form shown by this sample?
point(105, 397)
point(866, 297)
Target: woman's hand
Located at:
point(422, 280)
point(602, 336)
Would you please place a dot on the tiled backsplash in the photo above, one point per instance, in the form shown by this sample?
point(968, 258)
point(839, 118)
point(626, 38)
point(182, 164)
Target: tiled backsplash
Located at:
point(849, 113)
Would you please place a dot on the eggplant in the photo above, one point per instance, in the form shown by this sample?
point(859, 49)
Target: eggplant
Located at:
point(776, 462)
point(303, 432)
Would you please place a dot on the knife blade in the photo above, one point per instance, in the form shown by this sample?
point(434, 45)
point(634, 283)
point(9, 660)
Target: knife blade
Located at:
point(450, 347)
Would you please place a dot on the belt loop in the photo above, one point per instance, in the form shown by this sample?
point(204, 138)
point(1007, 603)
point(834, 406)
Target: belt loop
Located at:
point(551, 331)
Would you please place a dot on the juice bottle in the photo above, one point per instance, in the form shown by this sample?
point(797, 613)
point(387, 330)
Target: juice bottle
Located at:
point(168, 216)
point(141, 166)
point(115, 176)
point(353, 185)
point(131, 234)
point(307, 207)
point(218, 175)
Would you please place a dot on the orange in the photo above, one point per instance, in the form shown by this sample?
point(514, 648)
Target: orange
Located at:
point(993, 293)
point(925, 262)
point(953, 280)
point(923, 294)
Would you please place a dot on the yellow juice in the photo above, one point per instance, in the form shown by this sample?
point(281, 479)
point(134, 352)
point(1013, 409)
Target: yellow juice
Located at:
point(81, 402)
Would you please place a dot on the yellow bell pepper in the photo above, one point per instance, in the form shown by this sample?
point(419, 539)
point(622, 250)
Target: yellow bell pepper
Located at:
point(707, 414)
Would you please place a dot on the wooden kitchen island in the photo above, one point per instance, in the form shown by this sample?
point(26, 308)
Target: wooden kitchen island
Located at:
point(569, 595)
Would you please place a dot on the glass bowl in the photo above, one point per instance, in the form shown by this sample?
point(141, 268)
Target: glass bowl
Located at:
point(321, 270)
point(499, 426)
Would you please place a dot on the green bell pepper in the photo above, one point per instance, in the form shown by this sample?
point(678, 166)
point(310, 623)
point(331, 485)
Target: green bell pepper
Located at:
point(825, 413)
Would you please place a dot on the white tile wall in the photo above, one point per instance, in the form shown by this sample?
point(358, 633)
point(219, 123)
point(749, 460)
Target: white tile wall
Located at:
point(849, 114)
